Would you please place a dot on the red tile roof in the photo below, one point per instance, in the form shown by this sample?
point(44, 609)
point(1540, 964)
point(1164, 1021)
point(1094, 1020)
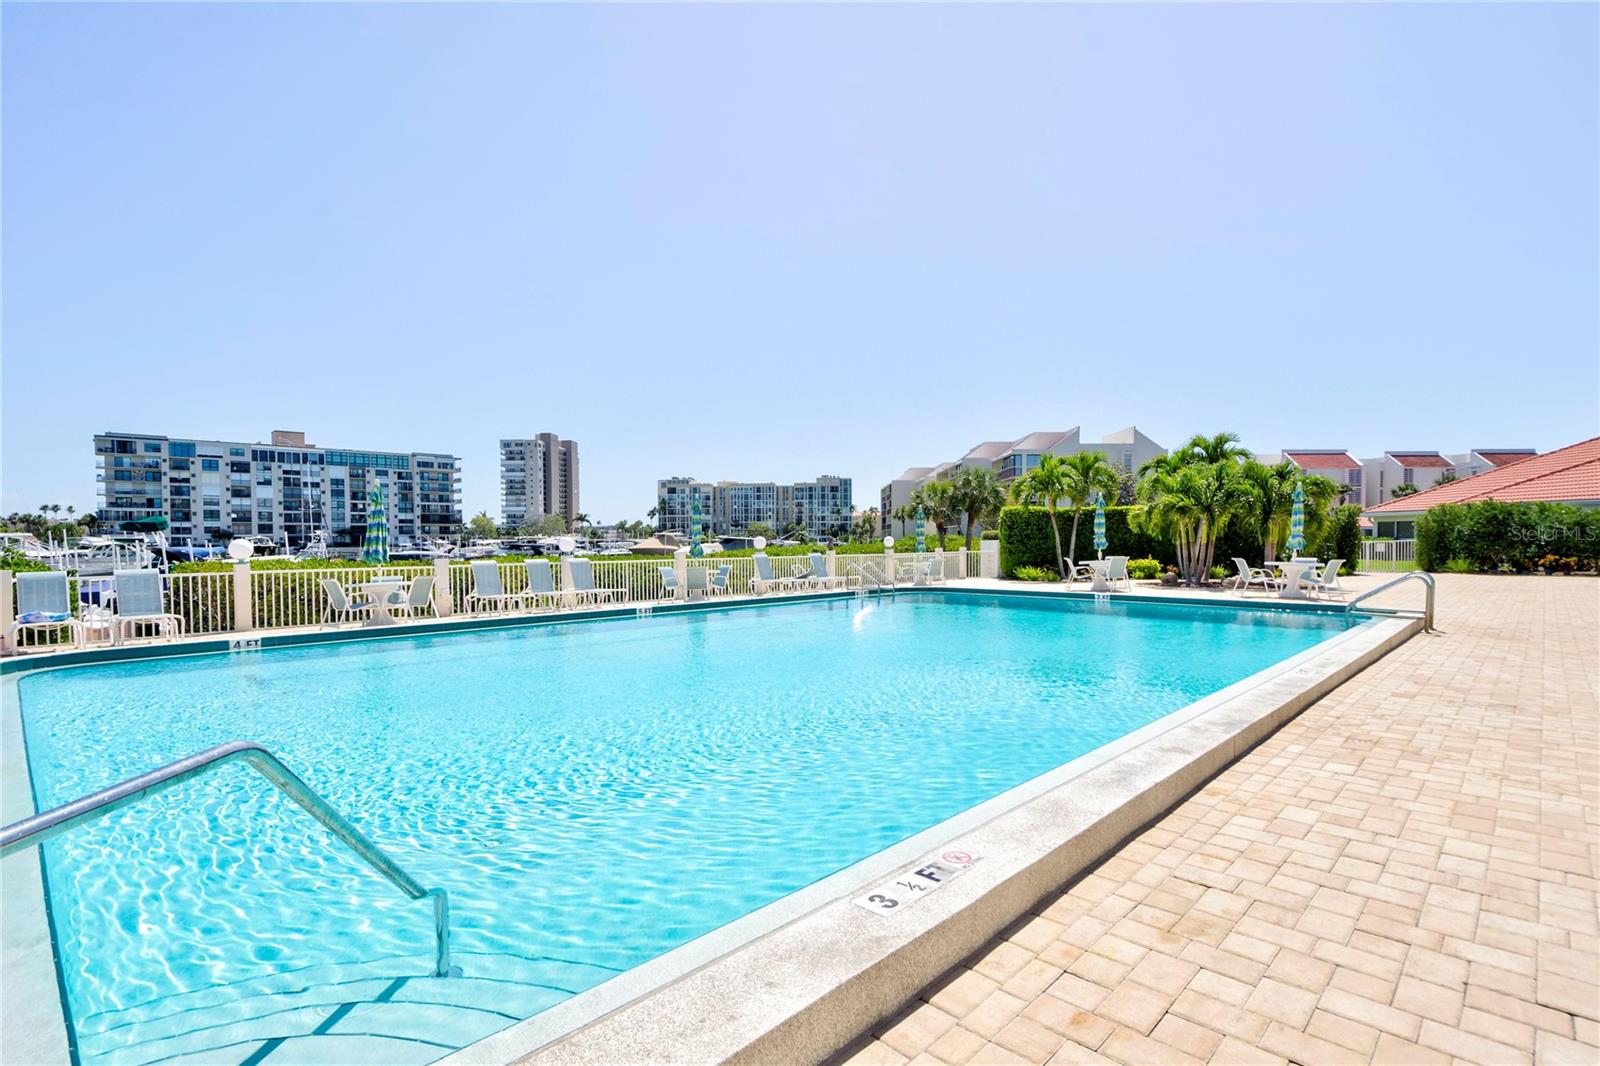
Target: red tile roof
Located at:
point(1502, 458)
point(1571, 474)
point(1323, 460)
point(1417, 460)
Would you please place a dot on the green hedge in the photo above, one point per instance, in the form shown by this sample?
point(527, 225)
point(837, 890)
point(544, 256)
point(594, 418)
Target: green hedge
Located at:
point(1495, 536)
point(1340, 538)
point(1025, 539)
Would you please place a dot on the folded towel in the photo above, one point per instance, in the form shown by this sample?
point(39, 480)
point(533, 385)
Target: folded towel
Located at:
point(44, 616)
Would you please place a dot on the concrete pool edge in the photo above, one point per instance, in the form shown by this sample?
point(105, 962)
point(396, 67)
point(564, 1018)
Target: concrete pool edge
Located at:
point(801, 979)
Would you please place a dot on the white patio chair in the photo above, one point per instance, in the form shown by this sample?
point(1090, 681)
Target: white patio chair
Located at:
point(583, 584)
point(139, 603)
point(419, 598)
point(489, 591)
point(341, 607)
point(43, 604)
point(1253, 575)
point(1327, 582)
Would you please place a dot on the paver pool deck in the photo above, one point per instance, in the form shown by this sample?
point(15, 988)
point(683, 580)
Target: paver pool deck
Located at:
point(1405, 873)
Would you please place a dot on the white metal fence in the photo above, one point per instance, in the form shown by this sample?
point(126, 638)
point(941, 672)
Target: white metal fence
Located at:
point(239, 599)
point(1388, 555)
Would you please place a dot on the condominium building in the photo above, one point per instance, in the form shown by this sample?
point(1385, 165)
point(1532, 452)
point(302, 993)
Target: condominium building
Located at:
point(286, 489)
point(538, 477)
point(822, 506)
point(1335, 464)
point(1126, 450)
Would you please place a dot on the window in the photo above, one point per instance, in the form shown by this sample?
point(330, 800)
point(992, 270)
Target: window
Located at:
point(210, 464)
point(237, 453)
point(183, 448)
point(179, 464)
point(153, 446)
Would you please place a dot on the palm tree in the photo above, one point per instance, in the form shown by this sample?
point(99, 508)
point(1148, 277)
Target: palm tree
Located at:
point(939, 505)
point(1048, 482)
point(1088, 474)
point(1271, 491)
point(1192, 504)
point(979, 497)
point(905, 513)
point(1217, 448)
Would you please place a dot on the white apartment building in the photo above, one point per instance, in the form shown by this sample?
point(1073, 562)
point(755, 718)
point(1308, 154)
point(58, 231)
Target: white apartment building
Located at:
point(1478, 460)
point(286, 489)
point(1335, 464)
point(1126, 449)
point(538, 477)
point(822, 506)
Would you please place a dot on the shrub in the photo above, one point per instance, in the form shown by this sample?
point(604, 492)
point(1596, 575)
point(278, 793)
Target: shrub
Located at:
point(1025, 538)
point(1036, 573)
point(1507, 536)
point(1458, 566)
point(1144, 569)
point(1340, 537)
point(1218, 573)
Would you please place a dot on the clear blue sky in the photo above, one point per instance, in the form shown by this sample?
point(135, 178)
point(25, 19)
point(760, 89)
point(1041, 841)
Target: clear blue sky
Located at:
point(772, 242)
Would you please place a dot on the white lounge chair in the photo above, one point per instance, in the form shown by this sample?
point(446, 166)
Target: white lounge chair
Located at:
point(139, 604)
point(930, 572)
point(44, 603)
point(764, 581)
point(340, 606)
point(541, 583)
point(583, 584)
point(1253, 575)
point(719, 580)
point(669, 581)
point(1327, 582)
point(489, 591)
point(818, 575)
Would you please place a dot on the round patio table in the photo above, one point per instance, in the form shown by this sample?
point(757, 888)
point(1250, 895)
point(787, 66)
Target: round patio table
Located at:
point(379, 591)
point(1293, 570)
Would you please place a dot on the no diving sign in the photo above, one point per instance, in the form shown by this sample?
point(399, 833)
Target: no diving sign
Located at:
point(916, 882)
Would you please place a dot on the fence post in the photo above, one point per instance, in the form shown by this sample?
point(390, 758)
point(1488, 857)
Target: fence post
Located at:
point(832, 563)
point(888, 564)
point(244, 614)
point(6, 617)
point(938, 561)
point(988, 558)
point(680, 569)
point(443, 599)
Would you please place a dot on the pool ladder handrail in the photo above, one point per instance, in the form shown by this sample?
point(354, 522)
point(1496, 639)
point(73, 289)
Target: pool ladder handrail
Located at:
point(57, 820)
point(1427, 610)
point(869, 572)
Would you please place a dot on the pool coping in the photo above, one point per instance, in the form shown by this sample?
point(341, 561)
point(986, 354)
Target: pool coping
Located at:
point(27, 950)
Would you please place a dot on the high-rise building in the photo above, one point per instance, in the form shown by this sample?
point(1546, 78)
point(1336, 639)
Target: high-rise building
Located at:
point(286, 490)
point(822, 506)
point(538, 477)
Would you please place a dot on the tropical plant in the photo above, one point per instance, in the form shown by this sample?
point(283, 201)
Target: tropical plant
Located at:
point(483, 527)
point(1192, 503)
point(1036, 573)
point(979, 497)
point(1217, 448)
point(938, 502)
point(1144, 569)
point(1400, 491)
point(1271, 490)
point(1046, 483)
point(1089, 474)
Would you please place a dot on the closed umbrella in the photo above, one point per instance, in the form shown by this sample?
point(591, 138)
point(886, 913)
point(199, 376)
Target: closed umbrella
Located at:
point(375, 545)
point(1099, 525)
point(1297, 522)
point(695, 515)
point(922, 541)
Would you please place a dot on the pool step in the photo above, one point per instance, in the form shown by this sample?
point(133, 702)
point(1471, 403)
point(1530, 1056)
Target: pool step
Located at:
point(331, 1014)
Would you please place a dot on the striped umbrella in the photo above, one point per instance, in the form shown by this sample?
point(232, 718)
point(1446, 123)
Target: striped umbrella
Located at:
point(695, 515)
point(1297, 522)
point(375, 545)
point(922, 541)
point(1099, 525)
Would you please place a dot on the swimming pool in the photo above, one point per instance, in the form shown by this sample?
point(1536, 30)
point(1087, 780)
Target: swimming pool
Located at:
point(592, 795)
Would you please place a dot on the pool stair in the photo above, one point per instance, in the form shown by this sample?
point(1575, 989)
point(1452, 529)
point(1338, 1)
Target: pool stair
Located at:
point(389, 1011)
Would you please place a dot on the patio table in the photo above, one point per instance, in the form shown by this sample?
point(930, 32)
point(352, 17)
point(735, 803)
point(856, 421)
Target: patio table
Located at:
point(1293, 571)
point(378, 591)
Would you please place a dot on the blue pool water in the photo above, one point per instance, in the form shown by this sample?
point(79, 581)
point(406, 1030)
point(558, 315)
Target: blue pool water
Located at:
point(591, 795)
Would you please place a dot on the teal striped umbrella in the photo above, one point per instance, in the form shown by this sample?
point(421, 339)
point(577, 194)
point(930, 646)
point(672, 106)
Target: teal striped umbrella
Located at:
point(375, 545)
point(695, 515)
point(1099, 524)
point(1297, 522)
point(922, 541)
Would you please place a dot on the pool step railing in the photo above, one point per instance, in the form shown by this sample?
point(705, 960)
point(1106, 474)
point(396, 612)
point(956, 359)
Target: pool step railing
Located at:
point(1426, 614)
point(58, 820)
point(869, 573)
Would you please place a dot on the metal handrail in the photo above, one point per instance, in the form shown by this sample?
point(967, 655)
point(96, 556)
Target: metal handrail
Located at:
point(57, 820)
point(1419, 575)
point(868, 572)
